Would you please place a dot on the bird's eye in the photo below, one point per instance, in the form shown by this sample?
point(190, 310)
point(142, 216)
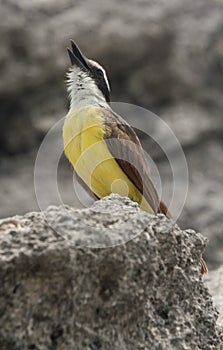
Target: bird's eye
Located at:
point(99, 71)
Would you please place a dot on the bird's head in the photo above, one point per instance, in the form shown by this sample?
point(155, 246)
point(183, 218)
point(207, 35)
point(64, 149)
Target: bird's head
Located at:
point(87, 80)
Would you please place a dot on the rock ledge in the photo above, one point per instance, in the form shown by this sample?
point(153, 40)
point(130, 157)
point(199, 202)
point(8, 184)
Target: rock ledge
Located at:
point(59, 290)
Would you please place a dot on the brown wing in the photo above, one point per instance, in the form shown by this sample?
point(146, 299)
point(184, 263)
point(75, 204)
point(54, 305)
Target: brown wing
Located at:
point(126, 148)
point(163, 210)
point(129, 155)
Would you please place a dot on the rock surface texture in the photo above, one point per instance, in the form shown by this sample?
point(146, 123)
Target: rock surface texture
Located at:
point(59, 290)
point(215, 283)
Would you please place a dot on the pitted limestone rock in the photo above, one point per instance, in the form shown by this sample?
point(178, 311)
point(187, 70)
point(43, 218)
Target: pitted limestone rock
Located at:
point(59, 291)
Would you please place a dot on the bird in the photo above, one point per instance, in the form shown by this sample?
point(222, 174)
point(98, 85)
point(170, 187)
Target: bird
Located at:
point(103, 149)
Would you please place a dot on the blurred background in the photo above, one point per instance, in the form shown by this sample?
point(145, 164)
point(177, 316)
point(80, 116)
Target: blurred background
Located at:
point(166, 56)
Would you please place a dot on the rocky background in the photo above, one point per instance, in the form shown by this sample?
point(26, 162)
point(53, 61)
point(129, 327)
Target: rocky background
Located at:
point(60, 291)
point(166, 56)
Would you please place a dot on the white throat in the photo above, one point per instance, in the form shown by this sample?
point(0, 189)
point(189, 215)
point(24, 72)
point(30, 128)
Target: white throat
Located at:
point(83, 91)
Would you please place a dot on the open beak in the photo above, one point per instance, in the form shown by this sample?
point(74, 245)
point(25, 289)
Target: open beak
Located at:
point(76, 57)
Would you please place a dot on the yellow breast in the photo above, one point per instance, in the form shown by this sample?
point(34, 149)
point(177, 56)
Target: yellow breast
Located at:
point(84, 146)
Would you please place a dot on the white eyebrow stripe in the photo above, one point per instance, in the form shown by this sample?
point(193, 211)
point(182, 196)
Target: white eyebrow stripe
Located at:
point(106, 79)
point(96, 64)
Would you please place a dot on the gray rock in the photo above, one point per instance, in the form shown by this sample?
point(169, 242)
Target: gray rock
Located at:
point(59, 291)
point(201, 138)
point(215, 283)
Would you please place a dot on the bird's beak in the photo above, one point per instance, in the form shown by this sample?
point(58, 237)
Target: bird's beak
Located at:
point(76, 57)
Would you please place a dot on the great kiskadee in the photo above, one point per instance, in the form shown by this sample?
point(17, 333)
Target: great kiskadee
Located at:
point(103, 149)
